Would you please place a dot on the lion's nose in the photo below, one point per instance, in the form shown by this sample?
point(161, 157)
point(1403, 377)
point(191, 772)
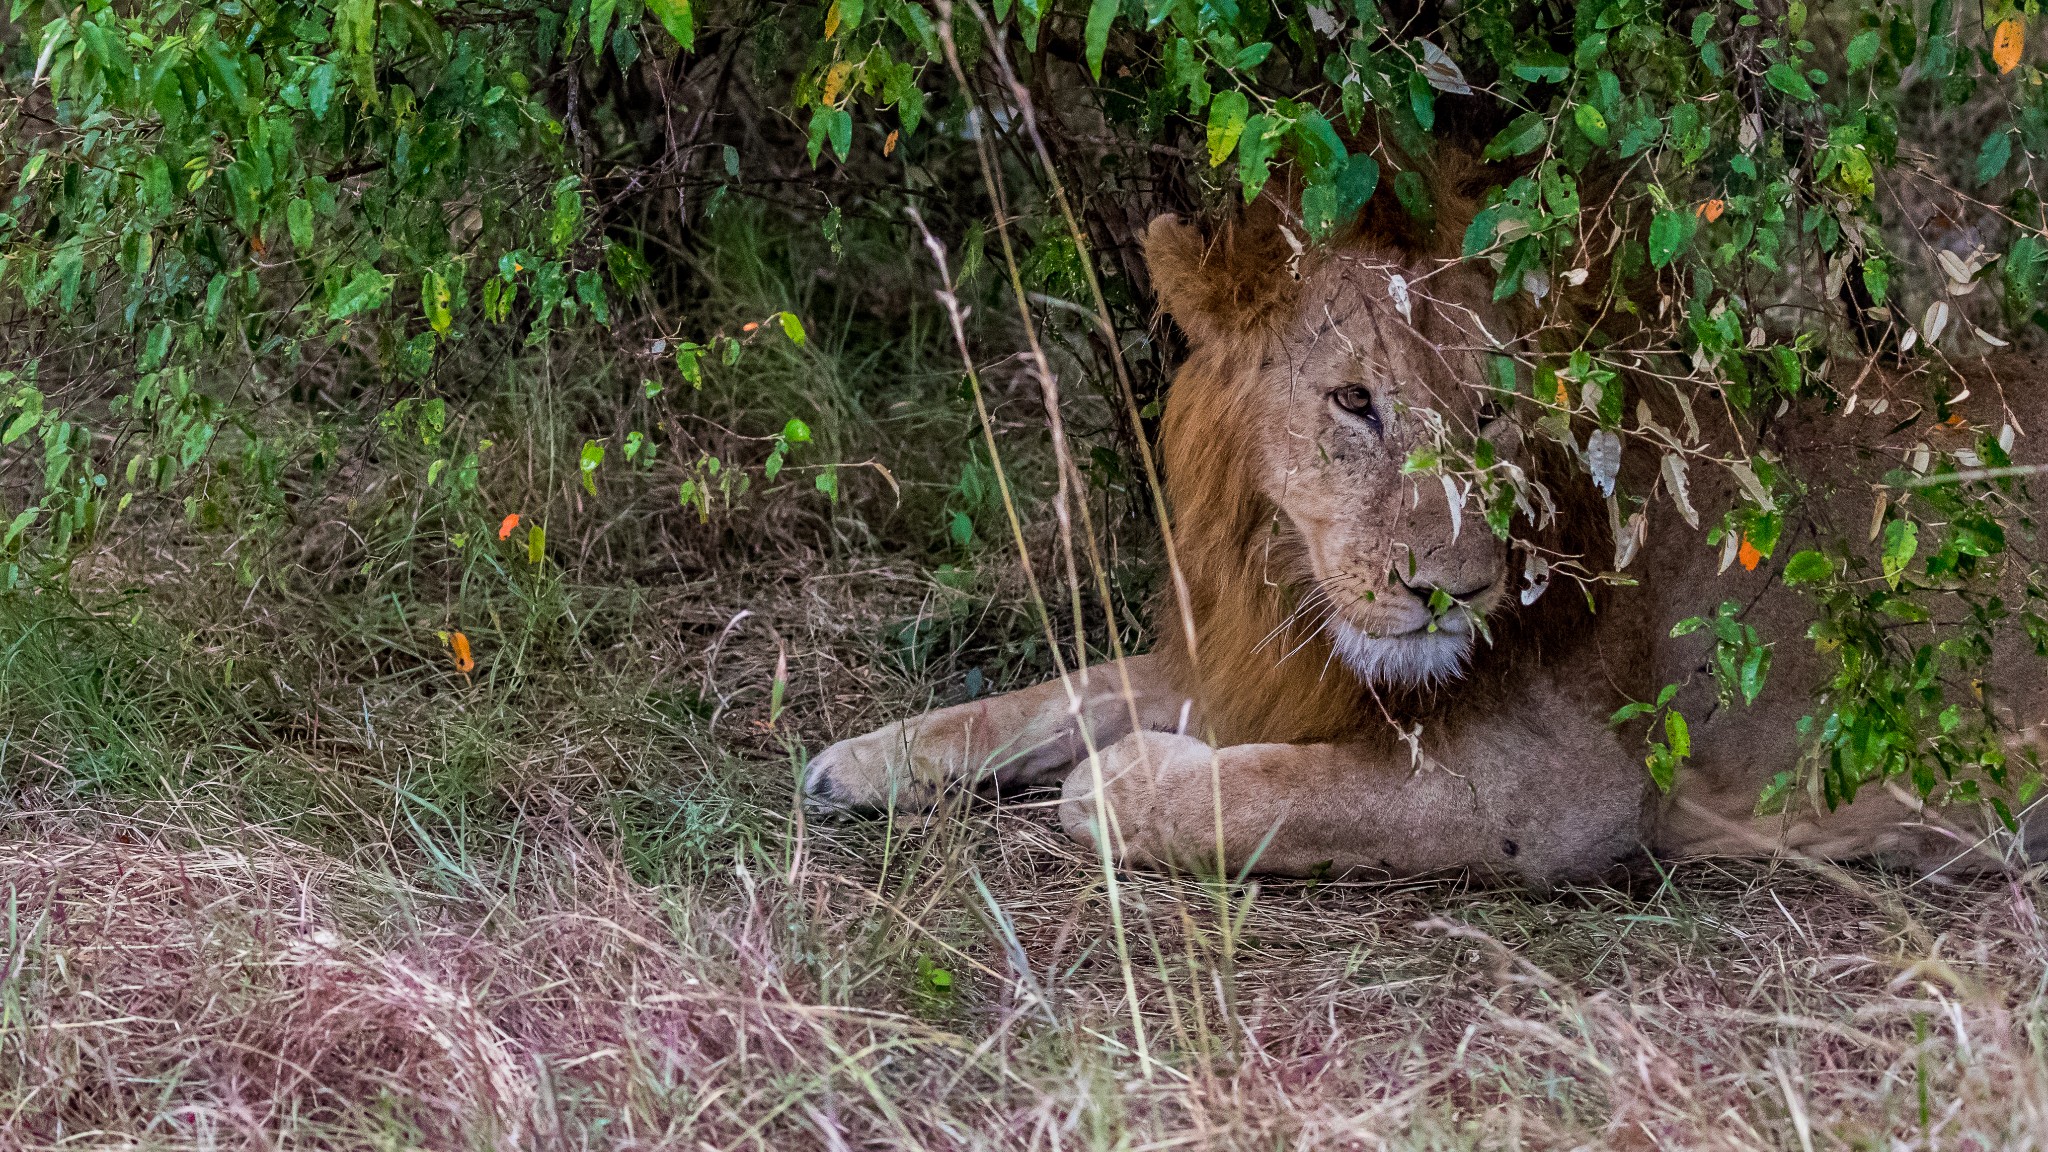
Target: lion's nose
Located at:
point(1425, 591)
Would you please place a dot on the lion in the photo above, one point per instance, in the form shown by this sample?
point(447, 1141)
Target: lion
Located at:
point(1351, 678)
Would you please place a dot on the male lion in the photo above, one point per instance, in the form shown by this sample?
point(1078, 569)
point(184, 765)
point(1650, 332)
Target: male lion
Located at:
point(1364, 688)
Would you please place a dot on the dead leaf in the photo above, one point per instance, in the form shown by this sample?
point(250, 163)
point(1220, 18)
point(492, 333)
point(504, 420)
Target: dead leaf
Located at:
point(2007, 43)
point(1441, 71)
point(1936, 321)
point(1674, 479)
point(1748, 555)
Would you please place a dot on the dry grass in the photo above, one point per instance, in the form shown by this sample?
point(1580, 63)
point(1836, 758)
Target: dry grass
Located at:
point(277, 877)
point(526, 960)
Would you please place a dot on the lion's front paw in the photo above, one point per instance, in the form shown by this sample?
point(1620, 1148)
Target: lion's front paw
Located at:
point(1145, 777)
point(890, 767)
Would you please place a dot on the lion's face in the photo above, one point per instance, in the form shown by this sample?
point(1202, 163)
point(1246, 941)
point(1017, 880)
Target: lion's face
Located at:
point(1346, 386)
point(1348, 389)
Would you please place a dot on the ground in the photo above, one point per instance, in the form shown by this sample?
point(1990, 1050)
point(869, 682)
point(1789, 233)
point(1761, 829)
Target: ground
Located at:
point(280, 874)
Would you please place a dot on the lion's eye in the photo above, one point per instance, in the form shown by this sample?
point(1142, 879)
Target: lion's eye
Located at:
point(1356, 400)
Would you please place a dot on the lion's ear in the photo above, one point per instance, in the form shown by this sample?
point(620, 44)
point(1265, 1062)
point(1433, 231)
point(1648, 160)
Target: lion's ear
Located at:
point(1214, 287)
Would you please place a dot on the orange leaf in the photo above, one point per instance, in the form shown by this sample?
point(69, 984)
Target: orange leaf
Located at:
point(1564, 397)
point(1955, 420)
point(460, 643)
point(832, 20)
point(889, 145)
point(750, 325)
point(2007, 43)
point(256, 242)
point(1711, 210)
point(506, 526)
point(835, 82)
point(1748, 555)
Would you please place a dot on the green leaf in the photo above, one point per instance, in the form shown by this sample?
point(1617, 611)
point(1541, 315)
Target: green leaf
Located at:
point(1591, 124)
point(588, 461)
point(1756, 668)
point(298, 217)
point(590, 290)
point(1670, 233)
point(1334, 202)
point(1808, 567)
point(1519, 138)
point(1785, 78)
point(796, 431)
point(434, 298)
point(821, 125)
point(155, 189)
point(1901, 542)
point(1862, 49)
point(1226, 124)
point(1877, 279)
point(536, 544)
point(355, 33)
point(1095, 37)
point(1252, 56)
point(841, 131)
point(1422, 101)
point(1254, 156)
point(1633, 710)
point(2023, 269)
point(600, 24)
point(1663, 767)
point(680, 20)
point(19, 524)
point(1678, 733)
point(366, 290)
point(20, 425)
point(828, 483)
point(1992, 158)
point(1543, 64)
point(792, 328)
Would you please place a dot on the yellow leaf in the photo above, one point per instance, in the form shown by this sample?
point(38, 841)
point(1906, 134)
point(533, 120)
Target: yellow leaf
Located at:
point(2007, 43)
point(835, 81)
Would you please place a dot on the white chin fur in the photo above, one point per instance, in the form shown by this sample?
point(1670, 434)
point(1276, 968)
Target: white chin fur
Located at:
point(1417, 659)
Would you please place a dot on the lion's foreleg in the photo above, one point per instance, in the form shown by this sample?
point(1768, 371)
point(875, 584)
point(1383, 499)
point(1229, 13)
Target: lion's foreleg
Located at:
point(1310, 809)
point(1020, 737)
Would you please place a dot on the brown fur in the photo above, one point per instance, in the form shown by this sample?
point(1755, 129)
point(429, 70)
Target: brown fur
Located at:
point(1327, 738)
